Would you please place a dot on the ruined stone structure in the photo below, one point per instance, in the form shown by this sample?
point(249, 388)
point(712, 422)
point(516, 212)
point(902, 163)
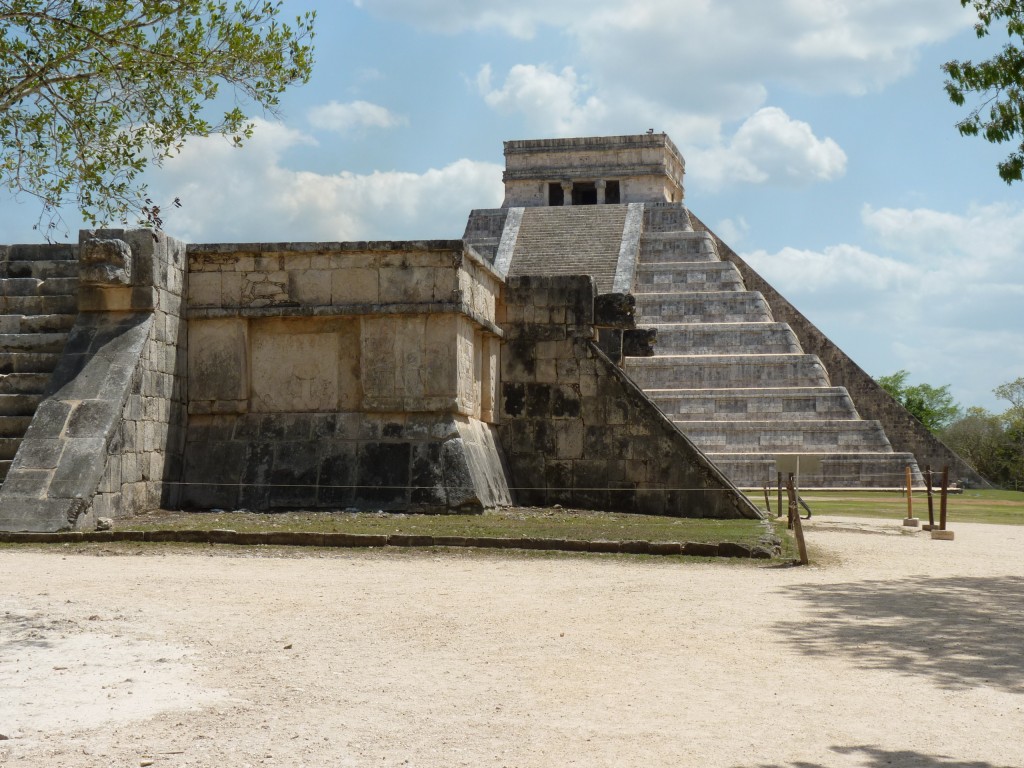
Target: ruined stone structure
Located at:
point(590, 343)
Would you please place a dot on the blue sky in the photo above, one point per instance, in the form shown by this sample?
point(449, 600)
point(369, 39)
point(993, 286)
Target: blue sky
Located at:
point(818, 139)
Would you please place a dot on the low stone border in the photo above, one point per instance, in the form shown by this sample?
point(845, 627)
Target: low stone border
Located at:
point(352, 540)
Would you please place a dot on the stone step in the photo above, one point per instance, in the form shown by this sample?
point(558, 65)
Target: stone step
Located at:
point(14, 426)
point(32, 286)
point(792, 436)
point(570, 240)
point(725, 339)
point(39, 269)
point(5, 466)
point(707, 307)
point(39, 252)
point(33, 324)
point(38, 305)
point(9, 447)
point(658, 247)
point(726, 371)
point(23, 383)
point(666, 217)
point(789, 403)
point(33, 342)
point(843, 470)
point(19, 405)
point(28, 362)
point(687, 276)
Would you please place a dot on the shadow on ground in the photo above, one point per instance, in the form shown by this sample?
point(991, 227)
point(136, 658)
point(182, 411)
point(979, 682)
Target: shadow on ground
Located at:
point(875, 757)
point(962, 632)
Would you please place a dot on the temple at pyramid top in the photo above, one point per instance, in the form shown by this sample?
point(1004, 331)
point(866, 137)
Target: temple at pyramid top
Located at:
point(645, 168)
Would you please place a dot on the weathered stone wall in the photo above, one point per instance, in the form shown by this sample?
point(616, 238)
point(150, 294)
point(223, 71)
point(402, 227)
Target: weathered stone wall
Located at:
point(577, 431)
point(342, 374)
point(145, 459)
point(106, 438)
point(906, 434)
point(648, 167)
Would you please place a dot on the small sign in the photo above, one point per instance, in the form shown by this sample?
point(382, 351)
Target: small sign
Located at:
point(798, 463)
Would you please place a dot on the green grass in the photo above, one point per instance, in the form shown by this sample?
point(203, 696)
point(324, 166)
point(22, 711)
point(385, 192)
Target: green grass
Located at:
point(515, 522)
point(971, 506)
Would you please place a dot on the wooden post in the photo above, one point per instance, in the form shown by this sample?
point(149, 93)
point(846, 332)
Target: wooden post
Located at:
point(767, 502)
point(794, 521)
point(778, 497)
point(942, 498)
point(928, 490)
point(794, 510)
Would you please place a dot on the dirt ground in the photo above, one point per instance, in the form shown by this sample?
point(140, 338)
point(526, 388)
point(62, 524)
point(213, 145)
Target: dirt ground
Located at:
point(895, 651)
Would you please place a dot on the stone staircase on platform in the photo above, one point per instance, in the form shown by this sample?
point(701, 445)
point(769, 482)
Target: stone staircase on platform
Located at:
point(571, 240)
point(38, 306)
point(737, 382)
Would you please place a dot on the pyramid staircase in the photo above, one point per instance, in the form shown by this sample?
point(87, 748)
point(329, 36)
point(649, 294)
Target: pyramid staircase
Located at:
point(571, 240)
point(38, 306)
point(737, 382)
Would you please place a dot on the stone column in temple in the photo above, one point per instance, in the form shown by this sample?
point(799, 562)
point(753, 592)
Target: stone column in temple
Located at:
point(566, 193)
point(600, 184)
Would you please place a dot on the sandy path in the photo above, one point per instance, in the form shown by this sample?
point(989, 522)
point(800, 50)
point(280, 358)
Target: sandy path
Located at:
point(901, 651)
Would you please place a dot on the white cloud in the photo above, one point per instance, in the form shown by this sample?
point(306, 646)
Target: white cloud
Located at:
point(769, 146)
point(732, 231)
point(335, 116)
point(715, 57)
point(843, 267)
point(251, 195)
point(551, 101)
point(942, 298)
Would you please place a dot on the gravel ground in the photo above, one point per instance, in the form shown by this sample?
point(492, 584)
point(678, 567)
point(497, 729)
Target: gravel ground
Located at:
point(895, 650)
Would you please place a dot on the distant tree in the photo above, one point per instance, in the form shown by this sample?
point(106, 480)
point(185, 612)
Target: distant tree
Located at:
point(1013, 425)
point(1013, 392)
point(933, 406)
point(998, 82)
point(94, 91)
point(978, 437)
point(993, 443)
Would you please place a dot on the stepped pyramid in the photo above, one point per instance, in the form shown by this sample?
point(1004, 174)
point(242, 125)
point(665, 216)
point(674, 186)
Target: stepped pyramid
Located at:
point(728, 370)
point(38, 306)
point(737, 383)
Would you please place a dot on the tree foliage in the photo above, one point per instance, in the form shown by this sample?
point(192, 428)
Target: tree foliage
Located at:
point(993, 443)
point(998, 84)
point(94, 91)
point(1012, 392)
point(932, 406)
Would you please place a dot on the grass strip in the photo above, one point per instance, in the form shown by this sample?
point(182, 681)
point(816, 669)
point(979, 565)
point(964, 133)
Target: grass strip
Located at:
point(972, 506)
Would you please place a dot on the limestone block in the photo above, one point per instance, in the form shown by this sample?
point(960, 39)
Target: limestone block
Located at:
point(294, 367)
point(204, 289)
point(377, 349)
point(105, 261)
point(354, 286)
point(231, 289)
point(218, 360)
point(350, 391)
point(310, 287)
point(100, 298)
point(489, 378)
point(449, 365)
point(470, 361)
point(407, 284)
point(266, 262)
